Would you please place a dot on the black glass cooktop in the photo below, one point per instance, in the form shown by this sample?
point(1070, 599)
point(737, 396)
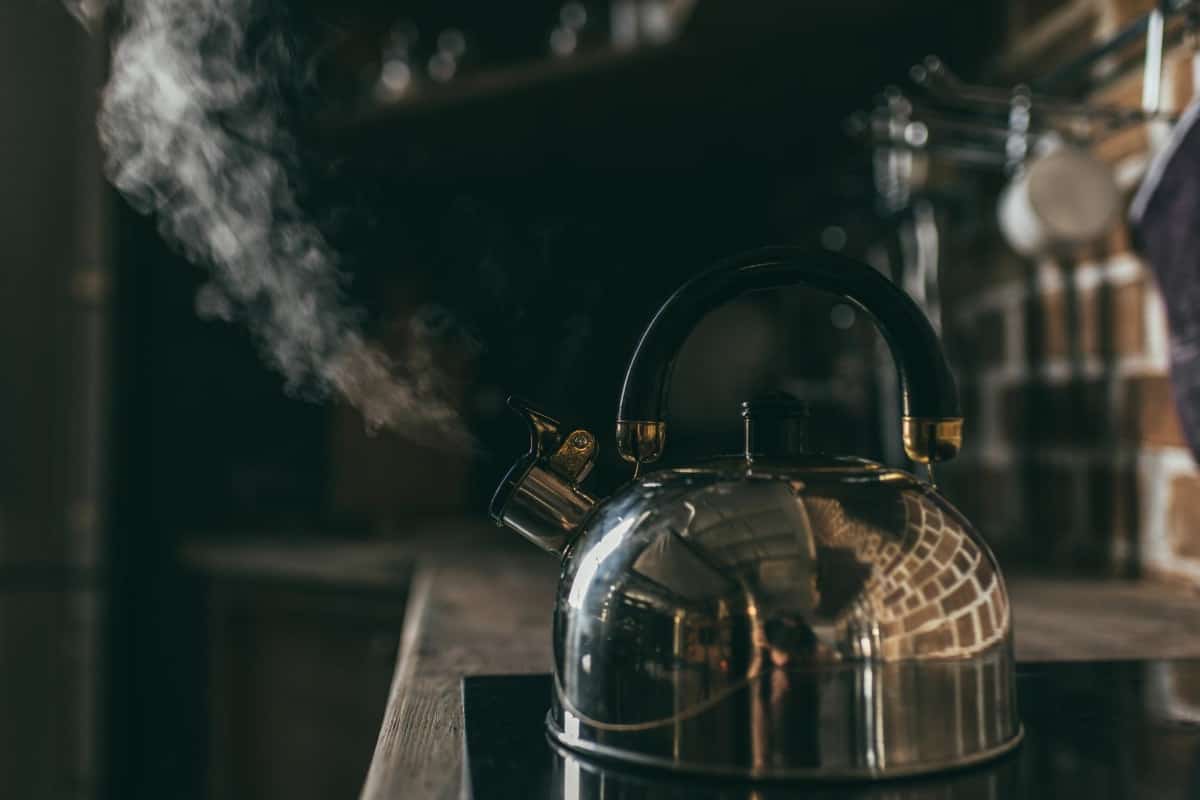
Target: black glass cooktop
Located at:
point(1094, 730)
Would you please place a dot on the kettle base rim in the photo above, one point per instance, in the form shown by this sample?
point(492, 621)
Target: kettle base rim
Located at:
point(632, 758)
point(889, 719)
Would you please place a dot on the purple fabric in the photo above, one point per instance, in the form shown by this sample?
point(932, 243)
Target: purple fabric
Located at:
point(1166, 225)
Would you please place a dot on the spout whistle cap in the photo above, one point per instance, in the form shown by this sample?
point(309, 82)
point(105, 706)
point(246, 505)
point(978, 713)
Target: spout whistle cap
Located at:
point(540, 497)
point(543, 438)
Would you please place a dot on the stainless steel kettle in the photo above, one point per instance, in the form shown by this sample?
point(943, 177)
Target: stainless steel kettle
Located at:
point(778, 614)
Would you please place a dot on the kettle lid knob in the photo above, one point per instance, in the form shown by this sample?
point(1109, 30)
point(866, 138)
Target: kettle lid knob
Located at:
point(776, 426)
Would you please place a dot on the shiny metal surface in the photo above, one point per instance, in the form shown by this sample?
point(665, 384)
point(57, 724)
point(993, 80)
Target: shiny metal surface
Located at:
point(540, 497)
point(641, 442)
point(929, 440)
point(775, 615)
point(574, 776)
point(805, 618)
point(546, 509)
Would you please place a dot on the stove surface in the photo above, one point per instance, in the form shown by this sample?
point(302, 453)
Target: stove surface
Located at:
point(1093, 729)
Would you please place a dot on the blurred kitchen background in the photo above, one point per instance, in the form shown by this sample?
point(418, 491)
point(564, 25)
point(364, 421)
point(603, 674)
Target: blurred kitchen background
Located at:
point(202, 576)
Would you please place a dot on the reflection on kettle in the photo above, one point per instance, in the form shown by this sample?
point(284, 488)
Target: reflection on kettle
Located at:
point(780, 613)
point(575, 777)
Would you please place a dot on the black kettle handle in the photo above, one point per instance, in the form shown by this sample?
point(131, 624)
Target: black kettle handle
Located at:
point(932, 422)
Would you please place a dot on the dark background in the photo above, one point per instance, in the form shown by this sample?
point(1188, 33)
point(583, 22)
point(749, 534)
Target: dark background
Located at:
point(548, 216)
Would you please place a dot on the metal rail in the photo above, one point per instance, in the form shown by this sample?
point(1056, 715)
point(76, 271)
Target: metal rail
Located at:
point(1076, 69)
point(1011, 115)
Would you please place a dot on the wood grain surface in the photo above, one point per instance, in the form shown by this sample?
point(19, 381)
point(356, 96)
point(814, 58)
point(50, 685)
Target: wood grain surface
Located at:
point(475, 607)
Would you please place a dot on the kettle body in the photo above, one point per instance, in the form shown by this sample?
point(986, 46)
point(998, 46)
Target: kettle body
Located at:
point(779, 613)
point(817, 618)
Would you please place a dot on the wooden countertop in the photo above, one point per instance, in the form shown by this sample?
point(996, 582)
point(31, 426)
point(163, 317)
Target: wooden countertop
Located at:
point(475, 606)
point(481, 602)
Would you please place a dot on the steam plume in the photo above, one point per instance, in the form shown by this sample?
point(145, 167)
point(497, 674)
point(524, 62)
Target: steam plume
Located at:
point(193, 132)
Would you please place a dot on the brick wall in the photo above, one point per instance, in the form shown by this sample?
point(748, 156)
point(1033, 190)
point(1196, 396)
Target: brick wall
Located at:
point(1074, 457)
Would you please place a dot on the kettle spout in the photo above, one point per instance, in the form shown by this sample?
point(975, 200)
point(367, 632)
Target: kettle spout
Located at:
point(540, 497)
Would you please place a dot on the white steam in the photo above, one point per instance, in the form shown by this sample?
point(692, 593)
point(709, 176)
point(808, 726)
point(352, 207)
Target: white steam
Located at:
point(192, 131)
